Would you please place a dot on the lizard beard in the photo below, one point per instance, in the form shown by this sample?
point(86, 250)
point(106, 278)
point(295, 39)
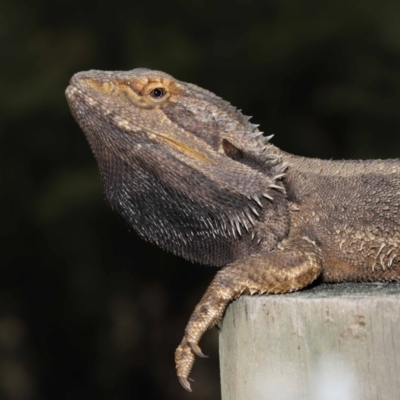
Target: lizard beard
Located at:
point(175, 205)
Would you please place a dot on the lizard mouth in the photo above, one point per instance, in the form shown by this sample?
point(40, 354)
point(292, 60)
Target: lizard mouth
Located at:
point(186, 149)
point(76, 95)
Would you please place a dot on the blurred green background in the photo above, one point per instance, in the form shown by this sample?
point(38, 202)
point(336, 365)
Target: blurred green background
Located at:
point(87, 310)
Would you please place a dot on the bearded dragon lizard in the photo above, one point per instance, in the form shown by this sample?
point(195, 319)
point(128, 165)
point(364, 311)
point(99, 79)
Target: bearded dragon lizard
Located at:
point(191, 173)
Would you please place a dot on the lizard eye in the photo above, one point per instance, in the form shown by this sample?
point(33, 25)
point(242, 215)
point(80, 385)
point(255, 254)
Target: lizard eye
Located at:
point(157, 93)
point(231, 151)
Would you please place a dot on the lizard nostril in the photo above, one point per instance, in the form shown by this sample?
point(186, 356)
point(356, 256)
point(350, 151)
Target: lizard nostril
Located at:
point(108, 87)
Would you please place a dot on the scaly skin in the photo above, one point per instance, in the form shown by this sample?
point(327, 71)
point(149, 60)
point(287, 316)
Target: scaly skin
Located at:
point(190, 173)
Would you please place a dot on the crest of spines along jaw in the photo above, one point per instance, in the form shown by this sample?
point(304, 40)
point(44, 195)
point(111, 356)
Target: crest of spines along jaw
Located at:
point(235, 225)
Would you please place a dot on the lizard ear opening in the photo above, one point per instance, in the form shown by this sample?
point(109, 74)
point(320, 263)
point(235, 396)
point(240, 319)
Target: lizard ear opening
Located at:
point(231, 151)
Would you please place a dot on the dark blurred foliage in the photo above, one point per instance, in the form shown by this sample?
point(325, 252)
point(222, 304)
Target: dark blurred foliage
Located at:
point(87, 310)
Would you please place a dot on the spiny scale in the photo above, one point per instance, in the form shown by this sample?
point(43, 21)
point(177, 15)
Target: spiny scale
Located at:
point(257, 200)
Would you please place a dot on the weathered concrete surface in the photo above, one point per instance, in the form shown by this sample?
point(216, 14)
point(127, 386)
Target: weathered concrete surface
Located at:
point(338, 341)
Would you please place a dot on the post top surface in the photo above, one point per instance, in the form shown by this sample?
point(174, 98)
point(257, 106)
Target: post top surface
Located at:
point(342, 290)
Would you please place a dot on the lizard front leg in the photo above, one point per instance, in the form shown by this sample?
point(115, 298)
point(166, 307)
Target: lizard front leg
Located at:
point(294, 264)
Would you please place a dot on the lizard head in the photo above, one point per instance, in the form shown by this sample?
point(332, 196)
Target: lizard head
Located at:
point(182, 166)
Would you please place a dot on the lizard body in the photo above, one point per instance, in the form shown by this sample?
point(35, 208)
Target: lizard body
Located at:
point(190, 173)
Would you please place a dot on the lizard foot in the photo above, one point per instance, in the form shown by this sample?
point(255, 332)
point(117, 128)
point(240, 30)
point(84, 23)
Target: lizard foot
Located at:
point(206, 314)
point(184, 359)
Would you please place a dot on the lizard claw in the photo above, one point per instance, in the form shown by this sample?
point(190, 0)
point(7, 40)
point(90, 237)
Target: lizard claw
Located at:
point(196, 350)
point(185, 383)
